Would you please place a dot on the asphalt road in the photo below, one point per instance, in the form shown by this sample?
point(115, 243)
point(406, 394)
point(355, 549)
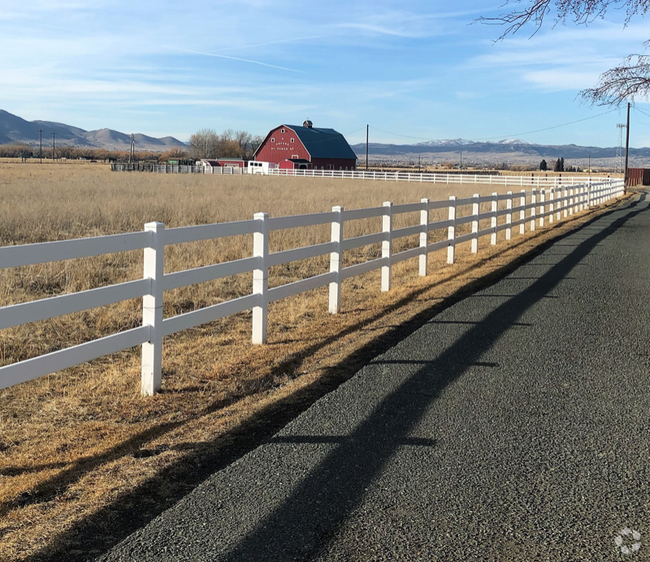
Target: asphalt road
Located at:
point(512, 427)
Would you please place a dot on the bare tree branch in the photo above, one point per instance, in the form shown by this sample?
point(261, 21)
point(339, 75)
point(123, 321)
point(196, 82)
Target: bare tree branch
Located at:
point(630, 78)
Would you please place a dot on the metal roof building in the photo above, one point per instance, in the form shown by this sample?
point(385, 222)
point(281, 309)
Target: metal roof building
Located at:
point(326, 149)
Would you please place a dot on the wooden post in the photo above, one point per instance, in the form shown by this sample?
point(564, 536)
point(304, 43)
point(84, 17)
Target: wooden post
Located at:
point(152, 310)
point(565, 205)
point(522, 212)
point(475, 213)
point(542, 207)
point(386, 245)
point(336, 261)
point(424, 237)
point(451, 231)
point(261, 279)
point(570, 201)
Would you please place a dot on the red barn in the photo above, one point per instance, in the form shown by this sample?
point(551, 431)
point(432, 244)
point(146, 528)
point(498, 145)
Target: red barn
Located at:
point(325, 149)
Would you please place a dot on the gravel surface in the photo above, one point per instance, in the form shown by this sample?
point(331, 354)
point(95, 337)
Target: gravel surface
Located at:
point(511, 427)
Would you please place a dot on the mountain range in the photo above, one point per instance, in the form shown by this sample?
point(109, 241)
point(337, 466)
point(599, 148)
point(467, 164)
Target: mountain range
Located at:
point(14, 129)
point(514, 150)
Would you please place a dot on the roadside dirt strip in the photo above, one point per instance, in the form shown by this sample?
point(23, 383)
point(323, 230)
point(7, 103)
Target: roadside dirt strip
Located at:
point(512, 426)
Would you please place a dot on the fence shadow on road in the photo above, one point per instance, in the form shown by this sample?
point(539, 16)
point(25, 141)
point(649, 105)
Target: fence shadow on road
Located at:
point(358, 458)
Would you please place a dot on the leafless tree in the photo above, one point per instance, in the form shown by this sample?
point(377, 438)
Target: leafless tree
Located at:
point(630, 78)
point(204, 144)
point(255, 143)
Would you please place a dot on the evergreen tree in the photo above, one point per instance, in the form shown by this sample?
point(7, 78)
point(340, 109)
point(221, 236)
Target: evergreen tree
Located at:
point(556, 166)
point(561, 164)
point(543, 166)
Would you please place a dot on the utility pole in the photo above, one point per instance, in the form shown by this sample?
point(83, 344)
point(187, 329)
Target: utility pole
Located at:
point(53, 146)
point(419, 163)
point(627, 144)
point(367, 134)
point(40, 144)
point(619, 148)
point(132, 149)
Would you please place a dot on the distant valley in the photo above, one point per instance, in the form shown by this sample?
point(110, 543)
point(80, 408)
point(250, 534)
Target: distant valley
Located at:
point(510, 152)
point(14, 129)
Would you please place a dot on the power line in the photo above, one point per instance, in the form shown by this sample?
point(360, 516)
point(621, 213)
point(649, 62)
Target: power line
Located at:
point(641, 111)
point(512, 135)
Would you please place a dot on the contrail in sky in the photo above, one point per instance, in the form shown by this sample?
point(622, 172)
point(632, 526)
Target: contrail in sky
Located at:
point(240, 60)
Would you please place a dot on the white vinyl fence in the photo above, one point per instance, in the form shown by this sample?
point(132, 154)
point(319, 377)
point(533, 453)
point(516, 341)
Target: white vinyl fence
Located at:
point(425, 177)
point(434, 177)
point(532, 208)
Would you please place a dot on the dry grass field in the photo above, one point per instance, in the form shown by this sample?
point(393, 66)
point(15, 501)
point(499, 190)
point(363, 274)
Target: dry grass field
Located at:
point(76, 446)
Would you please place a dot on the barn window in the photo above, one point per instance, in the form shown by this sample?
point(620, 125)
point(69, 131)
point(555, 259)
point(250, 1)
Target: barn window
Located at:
point(282, 130)
point(293, 140)
point(272, 139)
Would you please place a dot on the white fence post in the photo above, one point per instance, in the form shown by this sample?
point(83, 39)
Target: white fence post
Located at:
point(579, 204)
point(493, 220)
point(424, 237)
point(551, 206)
point(386, 245)
point(533, 209)
point(565, 203)
point(261, 279)
point(451, 231)
point(475, 213)
point(570, 201)
point(522, 213)
point(509, 216)
point(336, 261)
point(542, 207)
point(588, 195)
point(152, 310)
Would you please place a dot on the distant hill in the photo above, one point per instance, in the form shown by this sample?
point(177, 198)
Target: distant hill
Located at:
point(15, 129)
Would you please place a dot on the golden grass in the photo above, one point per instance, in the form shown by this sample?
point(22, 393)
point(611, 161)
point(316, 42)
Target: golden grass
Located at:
point(70, 441)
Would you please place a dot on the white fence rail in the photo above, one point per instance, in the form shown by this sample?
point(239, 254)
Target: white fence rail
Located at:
point(534, 209)
point(435, 177)
point(425, 177)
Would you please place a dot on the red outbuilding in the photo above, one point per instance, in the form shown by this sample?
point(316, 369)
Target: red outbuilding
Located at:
point(296, 164)
point(323, 149)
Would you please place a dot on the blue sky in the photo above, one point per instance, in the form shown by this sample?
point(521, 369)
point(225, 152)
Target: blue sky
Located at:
point(417, 69)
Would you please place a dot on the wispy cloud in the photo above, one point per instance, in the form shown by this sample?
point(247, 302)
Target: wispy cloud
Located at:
point(416, 69)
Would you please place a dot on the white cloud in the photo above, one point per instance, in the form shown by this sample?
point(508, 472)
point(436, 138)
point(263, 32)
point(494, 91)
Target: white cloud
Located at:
point(560, 80)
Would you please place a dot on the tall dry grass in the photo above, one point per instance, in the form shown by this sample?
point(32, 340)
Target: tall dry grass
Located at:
point(57, 203)
point(68, 442)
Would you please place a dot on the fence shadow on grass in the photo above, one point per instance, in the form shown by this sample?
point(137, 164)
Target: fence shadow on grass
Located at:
point(135, 509)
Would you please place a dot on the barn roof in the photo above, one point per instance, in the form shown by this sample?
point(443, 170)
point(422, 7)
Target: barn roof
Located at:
point(323, 143)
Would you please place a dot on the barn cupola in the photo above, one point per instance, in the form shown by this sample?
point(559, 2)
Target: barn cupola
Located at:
point(308, 124)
